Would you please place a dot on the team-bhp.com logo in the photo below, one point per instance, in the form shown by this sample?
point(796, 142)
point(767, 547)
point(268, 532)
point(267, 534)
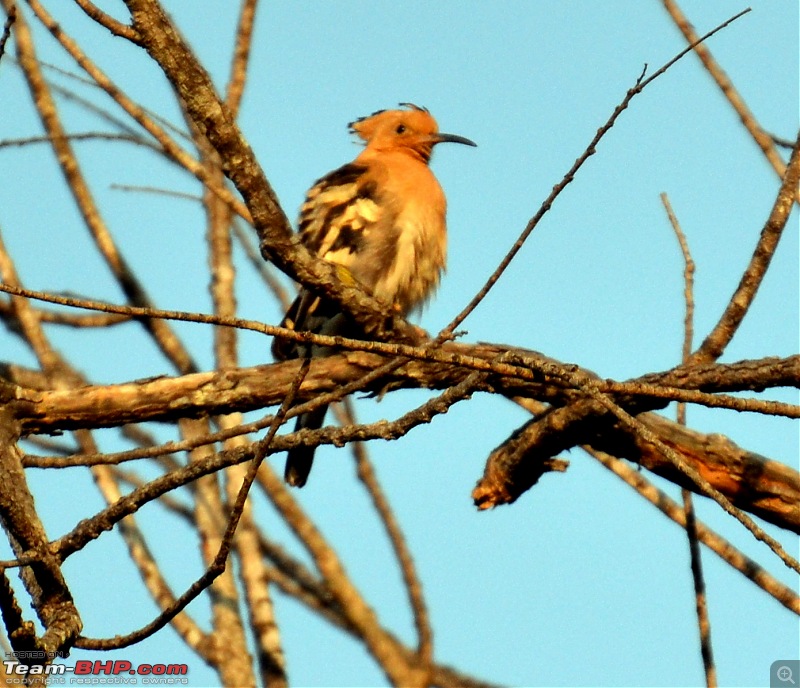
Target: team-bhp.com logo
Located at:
point(87, 672)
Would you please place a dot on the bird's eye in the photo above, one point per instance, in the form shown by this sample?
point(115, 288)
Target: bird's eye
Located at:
point(401, 129)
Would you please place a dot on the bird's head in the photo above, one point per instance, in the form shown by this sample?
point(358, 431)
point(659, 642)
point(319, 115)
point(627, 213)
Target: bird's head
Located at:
point(413, 129)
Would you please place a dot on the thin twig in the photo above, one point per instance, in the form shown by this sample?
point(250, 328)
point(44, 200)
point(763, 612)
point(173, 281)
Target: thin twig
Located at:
point(717, 544)
point(688, 279)
point(10, 19)
point(748, 119)
point(173, 504)
point(711, 400)
point(241, 55)
point(101, 112)
point(71, 319)
point(262, 267)
point(638, 87)
point(115, 27)
point(701, 606)
point(82, 136)
point(171, 193)
point(639, 429)
point(413, 585)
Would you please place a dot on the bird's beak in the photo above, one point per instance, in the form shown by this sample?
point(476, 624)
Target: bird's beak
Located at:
point(452, 138)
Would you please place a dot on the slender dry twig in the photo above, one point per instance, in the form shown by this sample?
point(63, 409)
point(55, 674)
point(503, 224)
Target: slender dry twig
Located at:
point(153, 451)
point(638, 428)
point(262, 268)
point(80, 136)
point(50, 445)
point(762, 138)
point(70, 319)
point(399, 668)
point(122, 125)
point(711, 400)
point(717, 544)
point(171, 193)
point(688, 279)
point(638, 87)
point(10, 19)
point(366, 474)
point(115, 27)
point(173, 504)
point(241, 54)
point(782, 142)
point(104, 114)
point(703, 620)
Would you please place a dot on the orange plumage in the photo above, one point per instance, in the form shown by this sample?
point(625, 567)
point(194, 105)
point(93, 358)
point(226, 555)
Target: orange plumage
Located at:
point(382, 217)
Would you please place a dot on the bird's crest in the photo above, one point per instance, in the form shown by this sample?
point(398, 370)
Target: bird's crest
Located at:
point(395, 125)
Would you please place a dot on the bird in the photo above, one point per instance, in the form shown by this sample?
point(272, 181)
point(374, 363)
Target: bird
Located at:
point(381, 219)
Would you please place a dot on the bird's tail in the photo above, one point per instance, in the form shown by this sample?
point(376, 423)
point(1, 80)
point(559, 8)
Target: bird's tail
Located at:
point(300, 459)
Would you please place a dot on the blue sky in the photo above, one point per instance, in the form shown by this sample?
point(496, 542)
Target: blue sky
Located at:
point(580, 582)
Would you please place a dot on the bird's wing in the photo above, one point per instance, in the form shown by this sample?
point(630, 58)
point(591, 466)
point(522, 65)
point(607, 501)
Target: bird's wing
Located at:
point(341, 221)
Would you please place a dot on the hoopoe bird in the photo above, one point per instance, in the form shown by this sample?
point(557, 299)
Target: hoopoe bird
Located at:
point(382, 218)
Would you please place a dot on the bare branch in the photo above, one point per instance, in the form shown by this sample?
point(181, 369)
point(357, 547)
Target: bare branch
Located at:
point(366, 474)
point(638, 87)
point(762, 138)
point(115, 27)
point(84, 136)
point(727, 552)
point(241, 54)
point(135, 111)
point(701, 606)
point(10, 19)
point(128, 282)
point(723, 332)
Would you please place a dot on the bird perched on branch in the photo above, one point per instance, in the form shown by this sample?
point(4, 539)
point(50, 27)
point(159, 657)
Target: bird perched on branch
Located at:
point(382, 218)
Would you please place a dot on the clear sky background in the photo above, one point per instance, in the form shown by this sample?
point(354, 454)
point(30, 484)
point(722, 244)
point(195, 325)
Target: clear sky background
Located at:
point(580, 582)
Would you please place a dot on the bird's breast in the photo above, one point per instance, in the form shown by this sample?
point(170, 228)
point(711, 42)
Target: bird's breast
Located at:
point(419, 254)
